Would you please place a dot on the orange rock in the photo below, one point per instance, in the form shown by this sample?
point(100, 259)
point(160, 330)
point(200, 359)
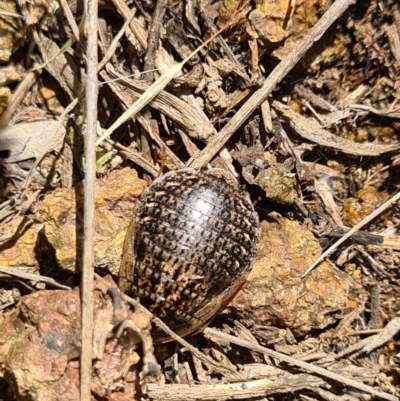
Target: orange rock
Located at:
point(40, 345)
point(115, 200)
point(274, 292)
point(17, 243)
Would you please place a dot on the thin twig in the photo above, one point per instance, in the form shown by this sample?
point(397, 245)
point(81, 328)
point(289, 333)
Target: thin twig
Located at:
point(70, 18)
point(363, 332)
point(89, 206)
point(19, 94)
point(304, 365)
point(280, 71)
point(16, 271)
point(116, 41)
point(211, 363)
point(154, 38)
point(346, 236)
point(134, 156)
point(390, 331)
point(208, 21)
point(123, 9)
point(49, 60)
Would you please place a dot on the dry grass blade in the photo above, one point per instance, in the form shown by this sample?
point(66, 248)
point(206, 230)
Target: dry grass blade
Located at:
point(194, 123)
point(54, 59)
point(8, 14)
point(66, 46)
point(17, 97)
point(386, 113)
point(71, 20)
point(147, 97)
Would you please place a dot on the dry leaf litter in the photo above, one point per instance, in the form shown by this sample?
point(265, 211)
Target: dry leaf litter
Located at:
point(317, 156)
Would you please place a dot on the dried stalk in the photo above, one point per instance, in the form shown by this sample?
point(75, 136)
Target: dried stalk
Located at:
point(89, 204)
point(240, 390)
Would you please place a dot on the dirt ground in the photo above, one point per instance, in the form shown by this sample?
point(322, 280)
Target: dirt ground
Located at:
point(298, 101)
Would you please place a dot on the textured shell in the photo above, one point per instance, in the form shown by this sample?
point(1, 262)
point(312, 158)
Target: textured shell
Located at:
point(194, 238)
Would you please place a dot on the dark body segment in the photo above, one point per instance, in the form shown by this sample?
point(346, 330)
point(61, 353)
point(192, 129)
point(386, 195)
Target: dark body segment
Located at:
point(195, 237)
